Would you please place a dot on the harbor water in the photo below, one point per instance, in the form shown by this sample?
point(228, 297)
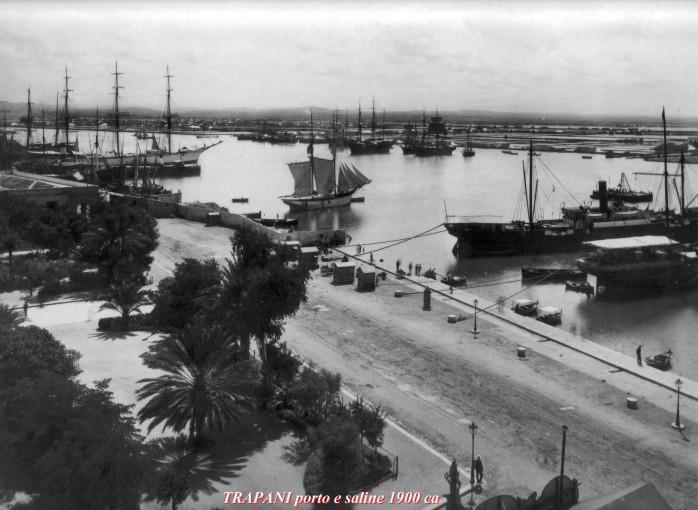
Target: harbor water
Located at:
point(410, 195)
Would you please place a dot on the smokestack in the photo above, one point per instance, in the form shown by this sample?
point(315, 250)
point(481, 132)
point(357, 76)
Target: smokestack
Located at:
point(603, 197)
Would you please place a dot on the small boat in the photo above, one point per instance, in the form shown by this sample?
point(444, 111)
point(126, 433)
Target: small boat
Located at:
point(660, 361)
point(454, 280)
point(510, 152)
point(525, 306)
point(586, 157)
point(240, 200)
point(429, 273)
point(358, 199)
point(550, 315)
point(583, 287)
point(551, 275)
point(624, 193)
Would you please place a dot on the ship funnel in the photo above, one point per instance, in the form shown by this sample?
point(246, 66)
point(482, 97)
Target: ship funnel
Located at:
point(603, 197)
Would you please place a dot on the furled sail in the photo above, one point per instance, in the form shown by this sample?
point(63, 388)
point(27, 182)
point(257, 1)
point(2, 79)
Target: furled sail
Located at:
point(324, 175)
point(301, 173)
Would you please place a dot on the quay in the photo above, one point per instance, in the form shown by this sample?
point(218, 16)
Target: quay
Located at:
point(462, 300)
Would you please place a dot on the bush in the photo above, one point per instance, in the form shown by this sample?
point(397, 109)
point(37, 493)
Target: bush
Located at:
point(50, 289)
point(135, 323)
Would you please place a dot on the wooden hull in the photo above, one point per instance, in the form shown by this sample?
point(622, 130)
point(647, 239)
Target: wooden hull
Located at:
point(317, 202)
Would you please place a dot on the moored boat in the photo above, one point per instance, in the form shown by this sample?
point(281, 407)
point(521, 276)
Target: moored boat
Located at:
point(551, 275)
point(645, 263)
point(454, 280)
point(660, 361)
point(583, 287)
point(550, 315)
point(525, 306)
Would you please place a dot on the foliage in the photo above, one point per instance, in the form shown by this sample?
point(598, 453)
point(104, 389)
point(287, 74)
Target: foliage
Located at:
point(284, 366)
point(336, 461)
point(29, 351)
point(316, 394)
point(125, 297)
point(178, 298)
point(69, 446)
point(58, 229)
point(370, 421)
point(9, 318)
point(119, 239)
point(203, 386)
point(259, 290)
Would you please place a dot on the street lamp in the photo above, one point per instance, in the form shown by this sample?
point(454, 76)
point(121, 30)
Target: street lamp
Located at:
point(475, 331)
point(472, 428)
point(677, 424)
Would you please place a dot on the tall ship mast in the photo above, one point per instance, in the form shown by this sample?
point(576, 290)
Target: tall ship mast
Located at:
point(478, 236)
point(435, 139)
point(319, 184)
point(359, 146)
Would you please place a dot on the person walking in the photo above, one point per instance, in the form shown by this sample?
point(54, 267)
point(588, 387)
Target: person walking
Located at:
point(638, 351)
point(478, 470)
point(26, 307)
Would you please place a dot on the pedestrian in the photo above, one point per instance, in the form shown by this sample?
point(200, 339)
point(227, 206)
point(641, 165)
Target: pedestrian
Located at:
point(450, 289)
point(418, 269)
point(409, 266)
point(397, 265)
point(26, 307)
point(638, 351)
point(370, 258)
point(478, 470)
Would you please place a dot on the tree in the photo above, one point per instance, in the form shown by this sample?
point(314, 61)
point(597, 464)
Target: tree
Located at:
point(125, 297)
point(203, 386)
point(26, 352)
point(284, 366)
point(120, 239)
point(370, 422)
point(259, 290)
point(178, 298)
point(70, 446)
point(9, 318)
point(9, 239)
point(316, 394)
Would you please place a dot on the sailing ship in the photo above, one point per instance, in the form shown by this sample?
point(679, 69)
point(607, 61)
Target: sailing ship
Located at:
point(319, 184)
point(468, 151)
point(410, 138)
point(478, 237)
point(373, 145)
point(645, 263)
point(435, 140)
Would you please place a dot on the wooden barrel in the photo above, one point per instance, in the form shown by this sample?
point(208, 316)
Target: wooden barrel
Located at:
point(631, 402)
point(452, 319)
point(398, 293)
point(521, 352)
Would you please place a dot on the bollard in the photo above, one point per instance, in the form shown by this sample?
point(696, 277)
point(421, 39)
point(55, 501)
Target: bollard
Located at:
point(521, 352)
point(398, 293)
point(631, 402)
point(427, 299)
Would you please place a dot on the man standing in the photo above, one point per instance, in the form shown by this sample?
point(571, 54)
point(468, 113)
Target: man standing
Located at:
point(639, 355)
point(478, 470)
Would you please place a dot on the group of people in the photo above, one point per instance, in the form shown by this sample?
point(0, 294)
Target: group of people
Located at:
point(417, 268)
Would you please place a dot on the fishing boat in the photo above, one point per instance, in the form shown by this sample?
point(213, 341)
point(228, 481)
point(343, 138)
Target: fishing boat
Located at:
point(525, 306)
point(551, 275)
point(240, 200)
point(372, 145)
point(550, 315)
point(586, 157)
point(435, 140)
point(477, 236)
point(645, 263)
point(624, 193)
point(319, 184)
point(660, 361)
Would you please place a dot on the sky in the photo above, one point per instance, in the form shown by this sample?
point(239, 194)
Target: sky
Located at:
point(588, 57)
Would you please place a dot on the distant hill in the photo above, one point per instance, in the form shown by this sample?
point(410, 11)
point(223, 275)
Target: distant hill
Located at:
point(16, 110)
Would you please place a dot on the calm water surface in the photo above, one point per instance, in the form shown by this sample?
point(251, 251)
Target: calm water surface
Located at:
point(410, 195)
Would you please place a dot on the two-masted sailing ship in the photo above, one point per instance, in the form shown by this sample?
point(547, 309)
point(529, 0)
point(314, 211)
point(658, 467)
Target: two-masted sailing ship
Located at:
point(319, 183)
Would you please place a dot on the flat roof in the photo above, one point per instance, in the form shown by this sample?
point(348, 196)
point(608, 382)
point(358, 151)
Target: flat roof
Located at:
point(624, 243)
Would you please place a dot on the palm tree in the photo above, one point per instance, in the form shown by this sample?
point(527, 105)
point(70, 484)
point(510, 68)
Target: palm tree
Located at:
point(120, 239)
point(9, 317)
point(204, 385)
point(125, 297)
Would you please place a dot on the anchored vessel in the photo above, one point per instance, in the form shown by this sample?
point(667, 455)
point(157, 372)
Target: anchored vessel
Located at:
point(645, 263)
point(435, 140)
point(359, 146)
point(611, 219)
point(319, 184)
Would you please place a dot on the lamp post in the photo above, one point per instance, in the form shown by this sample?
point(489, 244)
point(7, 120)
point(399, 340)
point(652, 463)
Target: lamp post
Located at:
point(475, 331)
point(677, 424)
point(473, 428)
